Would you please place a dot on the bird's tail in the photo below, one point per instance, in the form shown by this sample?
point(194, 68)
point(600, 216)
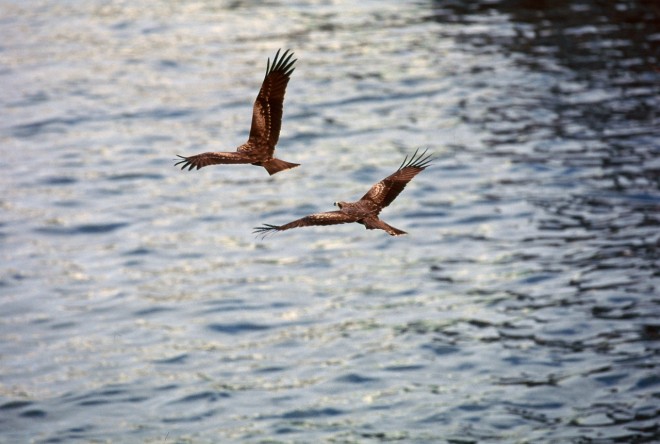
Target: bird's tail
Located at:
point(372, 223)
point(276, 165)
point(393, 231)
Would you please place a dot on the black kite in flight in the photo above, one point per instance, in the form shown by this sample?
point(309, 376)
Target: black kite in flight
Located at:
point(365, 211)
point(266, 124)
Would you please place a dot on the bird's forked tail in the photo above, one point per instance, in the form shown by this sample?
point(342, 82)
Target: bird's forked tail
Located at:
point(373, 223)
point(276, 165)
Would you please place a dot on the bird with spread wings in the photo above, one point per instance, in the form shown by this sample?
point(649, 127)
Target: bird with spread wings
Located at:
point(366, 210)
point(266, 124)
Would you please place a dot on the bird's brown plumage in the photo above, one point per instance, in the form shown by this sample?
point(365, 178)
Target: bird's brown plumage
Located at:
point(366, 210)
point(266, 124)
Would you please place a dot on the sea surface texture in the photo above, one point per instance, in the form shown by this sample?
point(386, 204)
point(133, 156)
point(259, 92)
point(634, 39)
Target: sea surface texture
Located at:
point(137, 306)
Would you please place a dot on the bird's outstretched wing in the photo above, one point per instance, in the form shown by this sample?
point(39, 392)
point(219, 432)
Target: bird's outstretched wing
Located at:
point(267, 110)
point(201, 160)
point(385, 191)
point(328, 218)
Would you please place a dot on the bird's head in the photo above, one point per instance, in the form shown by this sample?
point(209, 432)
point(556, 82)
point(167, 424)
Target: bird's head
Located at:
point(339, 204)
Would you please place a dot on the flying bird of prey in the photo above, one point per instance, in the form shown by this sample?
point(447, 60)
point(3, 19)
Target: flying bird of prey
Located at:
point(266, 124)
point(365, 211)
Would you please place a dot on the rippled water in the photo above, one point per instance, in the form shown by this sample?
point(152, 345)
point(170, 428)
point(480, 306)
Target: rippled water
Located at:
point(137, 306)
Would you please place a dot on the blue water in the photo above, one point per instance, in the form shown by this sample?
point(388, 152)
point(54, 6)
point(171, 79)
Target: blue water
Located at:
point(137, 305)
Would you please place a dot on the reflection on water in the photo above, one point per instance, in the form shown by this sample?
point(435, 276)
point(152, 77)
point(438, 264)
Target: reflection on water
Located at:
point(583, 125)
point(523, 307)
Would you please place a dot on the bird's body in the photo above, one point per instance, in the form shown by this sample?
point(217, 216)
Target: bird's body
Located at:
point(266, 124)
point(366, 210)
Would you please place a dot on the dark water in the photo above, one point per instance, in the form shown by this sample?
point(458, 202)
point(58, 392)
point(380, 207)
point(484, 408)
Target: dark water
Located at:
point(523, 307)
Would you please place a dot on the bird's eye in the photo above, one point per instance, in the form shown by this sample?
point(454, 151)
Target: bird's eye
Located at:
point(335, 204)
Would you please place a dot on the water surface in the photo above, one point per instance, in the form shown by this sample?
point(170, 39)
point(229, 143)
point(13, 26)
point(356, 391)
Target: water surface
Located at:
point(522, 307)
